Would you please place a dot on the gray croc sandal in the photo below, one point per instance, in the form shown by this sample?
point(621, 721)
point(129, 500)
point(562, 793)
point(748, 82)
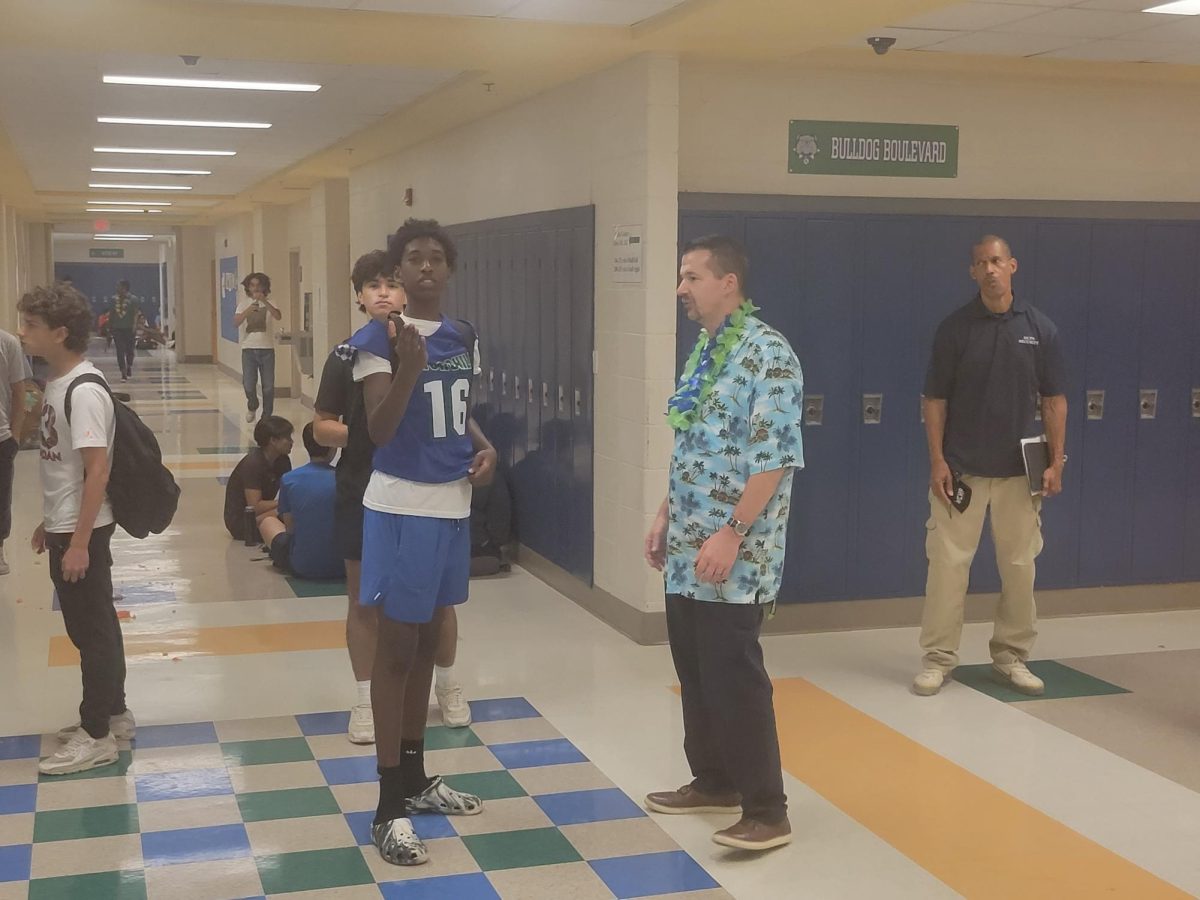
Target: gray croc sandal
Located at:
point(398, 844)
point(439, 797)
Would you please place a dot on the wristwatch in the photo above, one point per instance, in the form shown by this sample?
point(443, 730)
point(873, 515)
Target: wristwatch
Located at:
point(740, 528)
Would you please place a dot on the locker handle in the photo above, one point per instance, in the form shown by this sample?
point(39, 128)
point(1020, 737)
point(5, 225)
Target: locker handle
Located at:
point(545, 395)
point(562, 400)
point(503, 384)
point(491, 380)
point(1196, 403)
point(529, 391)
point(517, 388)
point(578, 403)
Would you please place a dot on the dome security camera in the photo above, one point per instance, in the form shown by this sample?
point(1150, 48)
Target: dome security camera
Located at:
point(881, 45)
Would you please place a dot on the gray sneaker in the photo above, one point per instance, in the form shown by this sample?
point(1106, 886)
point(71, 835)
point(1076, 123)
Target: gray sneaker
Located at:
point(439, 797)
point(121, 727)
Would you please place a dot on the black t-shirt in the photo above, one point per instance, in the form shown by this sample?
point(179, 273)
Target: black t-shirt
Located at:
point(990, 370)
point(340, 395)
point(252, 472)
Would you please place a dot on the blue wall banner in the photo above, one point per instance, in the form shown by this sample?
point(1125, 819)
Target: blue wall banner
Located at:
point(229, 297)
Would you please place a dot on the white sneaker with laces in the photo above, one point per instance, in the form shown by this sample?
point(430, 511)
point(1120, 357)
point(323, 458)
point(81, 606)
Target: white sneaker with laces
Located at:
point(122, 727)
point(80, 753)
point(4, 569)
point(456, 712)
point(362, 725)
point(249, 415)
point(1019, 678)
point(929, 682)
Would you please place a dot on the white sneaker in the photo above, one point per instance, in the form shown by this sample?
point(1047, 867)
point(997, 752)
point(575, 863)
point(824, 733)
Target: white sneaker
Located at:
point(929, 682)
point(1019, 678)
point(121, 727)
point(362, 725)
point(4, 570)
point(456, 712)
point(80, 753)
point(249, 415)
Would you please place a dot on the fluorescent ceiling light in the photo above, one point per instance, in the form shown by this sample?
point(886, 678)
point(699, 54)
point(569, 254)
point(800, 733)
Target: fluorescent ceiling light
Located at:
point(119, 209)
point(164, 152)
point(212, 83)
point(184, 123)
point(151, 171)
point(1178, 8)
point(107, 202)
point(143, 187)
point(121, 237)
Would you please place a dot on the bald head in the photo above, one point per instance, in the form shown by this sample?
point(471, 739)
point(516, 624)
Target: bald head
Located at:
point(989, 239)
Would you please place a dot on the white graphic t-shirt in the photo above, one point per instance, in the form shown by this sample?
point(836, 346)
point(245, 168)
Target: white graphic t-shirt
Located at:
point(93, 424)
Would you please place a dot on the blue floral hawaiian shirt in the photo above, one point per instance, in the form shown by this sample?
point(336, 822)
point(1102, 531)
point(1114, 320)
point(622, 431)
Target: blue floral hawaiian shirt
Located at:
point(750, 423)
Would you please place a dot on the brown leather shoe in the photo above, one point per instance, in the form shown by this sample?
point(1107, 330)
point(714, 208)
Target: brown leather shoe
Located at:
point(689, 800)
point(751, 834)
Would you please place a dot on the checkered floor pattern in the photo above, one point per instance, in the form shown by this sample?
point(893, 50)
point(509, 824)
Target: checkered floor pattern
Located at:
point(282, 806)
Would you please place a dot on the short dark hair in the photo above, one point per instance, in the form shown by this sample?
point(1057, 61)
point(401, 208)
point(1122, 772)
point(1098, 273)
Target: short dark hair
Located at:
point(370, 266)
point(264, 281)
point(315, 449)
point(991, 239)
point(61, 306)
point(271, 427)
point(123, 283)
point(415, 229)
point(728, 255)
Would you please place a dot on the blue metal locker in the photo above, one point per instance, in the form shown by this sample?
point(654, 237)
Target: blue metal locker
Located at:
point(583, 249)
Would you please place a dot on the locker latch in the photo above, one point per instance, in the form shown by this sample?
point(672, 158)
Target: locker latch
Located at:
point(529, 395)
point(545, 395)
point(491, 381)
point(517, 388)
point(1196, 403)
point(1148, 403)
point(1095, 405)
point(814, 409)
point(503, 384)
point(562, 400)
point(578, 402)
point(872, 405)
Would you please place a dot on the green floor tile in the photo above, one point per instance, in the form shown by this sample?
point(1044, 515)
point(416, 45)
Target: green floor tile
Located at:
point(90, 822)
point(296, 803)
point(117, 769)
point(1061, 682)
point(261, 753)
point(128, 885)
point(521, 849)
point(302, 587)
point(487, 785)
point(314, 870)
point(439, 737)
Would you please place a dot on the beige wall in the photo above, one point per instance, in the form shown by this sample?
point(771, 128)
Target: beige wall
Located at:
point(610, 140)
point(329, 217)
point(1019, 138)
point(195, 293)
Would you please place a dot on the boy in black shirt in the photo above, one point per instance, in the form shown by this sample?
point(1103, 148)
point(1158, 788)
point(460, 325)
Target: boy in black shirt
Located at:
point(254, 481)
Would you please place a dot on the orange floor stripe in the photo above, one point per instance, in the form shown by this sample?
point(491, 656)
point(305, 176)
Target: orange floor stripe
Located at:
point(966, 832)
point(233, 640)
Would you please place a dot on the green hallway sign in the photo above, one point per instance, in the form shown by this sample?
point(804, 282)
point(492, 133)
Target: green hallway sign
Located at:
point(872, 148)
point(106, 253)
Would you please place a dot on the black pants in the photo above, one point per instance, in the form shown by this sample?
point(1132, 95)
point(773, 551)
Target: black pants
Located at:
point(92, 626)
point(729, 732)
point(8, 455)
point(123, 337)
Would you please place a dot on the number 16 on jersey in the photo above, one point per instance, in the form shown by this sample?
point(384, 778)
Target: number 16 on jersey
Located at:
point(452, 409)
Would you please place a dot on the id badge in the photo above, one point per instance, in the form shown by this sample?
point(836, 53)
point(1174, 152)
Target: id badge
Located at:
point(960, 493)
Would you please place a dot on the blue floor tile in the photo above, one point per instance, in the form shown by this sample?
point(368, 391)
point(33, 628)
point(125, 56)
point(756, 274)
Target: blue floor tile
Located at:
point(577, 807)
point(500, 710)
point(537, 753)
point(182, 785)
point(175, 735)
point(673, 872)
point(312, 724)
point(15, 862)
point(18, 798)
point(188, 845)
point(349, 770)
point(461, 887)
point(428, 826)
point(21, 746)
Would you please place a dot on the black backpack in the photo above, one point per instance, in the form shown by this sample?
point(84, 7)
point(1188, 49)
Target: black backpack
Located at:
point(142, 490)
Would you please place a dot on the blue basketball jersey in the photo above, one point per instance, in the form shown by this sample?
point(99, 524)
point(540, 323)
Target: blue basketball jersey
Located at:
point(431, 444)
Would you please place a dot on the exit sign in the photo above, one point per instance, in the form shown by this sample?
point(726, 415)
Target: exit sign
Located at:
point(106, 252)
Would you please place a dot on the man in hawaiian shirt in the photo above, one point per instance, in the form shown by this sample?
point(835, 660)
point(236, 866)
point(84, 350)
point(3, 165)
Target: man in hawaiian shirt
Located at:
point(720, 537)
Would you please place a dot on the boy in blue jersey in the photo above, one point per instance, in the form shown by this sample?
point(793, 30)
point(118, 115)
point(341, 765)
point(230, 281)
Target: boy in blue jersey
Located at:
point(416, 522)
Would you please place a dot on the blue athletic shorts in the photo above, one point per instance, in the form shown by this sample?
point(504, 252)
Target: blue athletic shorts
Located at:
point(413, 564)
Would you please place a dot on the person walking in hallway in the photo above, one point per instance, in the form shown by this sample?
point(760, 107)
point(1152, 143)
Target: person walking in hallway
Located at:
point(258, 344)
point(991, 360)
point(123, 313)
point(14, 368)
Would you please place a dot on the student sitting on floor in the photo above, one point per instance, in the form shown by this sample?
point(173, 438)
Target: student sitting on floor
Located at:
point(301, 537)
point(254, 481)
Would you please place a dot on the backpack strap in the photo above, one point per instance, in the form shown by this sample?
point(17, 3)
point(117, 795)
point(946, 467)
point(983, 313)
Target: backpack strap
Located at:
point(87, 378)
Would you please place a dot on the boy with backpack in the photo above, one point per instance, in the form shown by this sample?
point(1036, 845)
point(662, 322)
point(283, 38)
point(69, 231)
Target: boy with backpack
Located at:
point(78, 521)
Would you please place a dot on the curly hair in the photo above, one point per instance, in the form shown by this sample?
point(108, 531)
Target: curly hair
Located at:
point(415, 229)
point(264, 281)
point(61, 306)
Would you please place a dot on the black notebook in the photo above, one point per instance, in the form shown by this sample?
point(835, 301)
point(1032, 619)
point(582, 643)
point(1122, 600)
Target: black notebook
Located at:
point(1036, 453)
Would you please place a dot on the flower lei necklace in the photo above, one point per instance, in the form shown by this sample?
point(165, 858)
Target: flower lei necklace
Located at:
point(704, 365)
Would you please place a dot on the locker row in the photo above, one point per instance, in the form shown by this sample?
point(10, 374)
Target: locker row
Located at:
point(526, 283)
point(859, 297)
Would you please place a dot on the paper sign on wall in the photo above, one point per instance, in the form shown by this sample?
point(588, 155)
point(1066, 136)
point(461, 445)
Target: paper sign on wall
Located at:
point(627, 255)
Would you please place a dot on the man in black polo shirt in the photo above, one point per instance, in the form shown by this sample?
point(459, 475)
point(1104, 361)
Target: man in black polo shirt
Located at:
point(991, 360)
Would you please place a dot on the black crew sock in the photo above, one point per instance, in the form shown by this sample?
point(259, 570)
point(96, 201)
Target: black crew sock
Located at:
point(412, 767)
point(391, 794)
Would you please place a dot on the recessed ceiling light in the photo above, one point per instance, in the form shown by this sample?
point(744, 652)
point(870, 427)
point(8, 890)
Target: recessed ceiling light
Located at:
point(142, 187)
point(164, 152)
point(183, 123)
point(1178, 8)
point(213, 83)
point(107, 202)
point(151, 171)
point(120, 209)
point(121, 237)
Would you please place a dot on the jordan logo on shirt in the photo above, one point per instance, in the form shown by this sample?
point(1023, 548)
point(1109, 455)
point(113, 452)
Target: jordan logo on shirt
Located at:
point(50, 435)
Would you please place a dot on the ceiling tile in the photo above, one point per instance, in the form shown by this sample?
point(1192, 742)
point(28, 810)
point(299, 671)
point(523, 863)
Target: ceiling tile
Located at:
point(1119, 5)
point(487, 8)
point(995, 43)
point(972, 16)
point(1081, 23)
point(1184, 29)
point(591, 12)
point(1116, 51)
